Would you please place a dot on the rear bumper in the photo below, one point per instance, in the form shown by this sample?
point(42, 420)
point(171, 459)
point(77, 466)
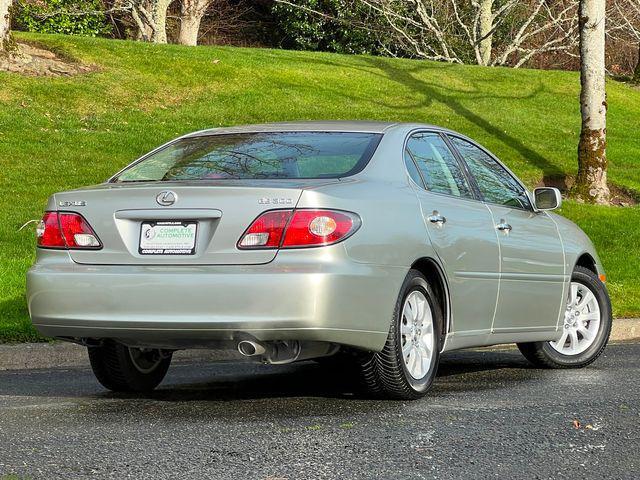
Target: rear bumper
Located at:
point(315, 294)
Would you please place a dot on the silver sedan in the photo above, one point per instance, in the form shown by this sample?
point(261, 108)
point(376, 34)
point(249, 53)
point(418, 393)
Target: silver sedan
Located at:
point(378, 244)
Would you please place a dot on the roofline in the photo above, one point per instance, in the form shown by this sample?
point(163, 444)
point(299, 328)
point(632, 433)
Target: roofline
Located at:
point(311, 126)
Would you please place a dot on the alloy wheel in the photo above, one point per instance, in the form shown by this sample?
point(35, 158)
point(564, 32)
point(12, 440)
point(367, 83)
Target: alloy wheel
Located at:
point(418, 339)
point(581, 321)
point(145, 360)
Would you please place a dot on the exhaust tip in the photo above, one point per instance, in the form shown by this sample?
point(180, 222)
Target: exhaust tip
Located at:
point(250, 349)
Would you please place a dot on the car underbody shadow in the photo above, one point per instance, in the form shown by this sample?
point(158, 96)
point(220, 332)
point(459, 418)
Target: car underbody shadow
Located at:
point(225, 381)
point(233, 381)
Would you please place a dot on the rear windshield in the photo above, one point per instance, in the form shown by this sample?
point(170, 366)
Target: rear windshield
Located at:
point(257, 156)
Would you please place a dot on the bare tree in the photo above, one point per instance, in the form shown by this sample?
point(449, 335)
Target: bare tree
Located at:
point(591, 183)
point(546, 27)
point(453, 30)
point(150, 17)
point(191, 14)
point(5, 24)
point(623, 23)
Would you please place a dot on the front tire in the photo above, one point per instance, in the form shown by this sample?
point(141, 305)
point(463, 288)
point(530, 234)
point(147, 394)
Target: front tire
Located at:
point(407, 365)
point(126, 369)
point(585, 330)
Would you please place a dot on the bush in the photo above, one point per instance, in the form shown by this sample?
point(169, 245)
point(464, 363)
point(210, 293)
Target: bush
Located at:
point(344, 26)
point(70, 17)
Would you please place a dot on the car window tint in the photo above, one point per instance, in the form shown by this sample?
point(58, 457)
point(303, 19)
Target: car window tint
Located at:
point(440, 169)
point(412, 169)
point(257, 155)
point(494, 182)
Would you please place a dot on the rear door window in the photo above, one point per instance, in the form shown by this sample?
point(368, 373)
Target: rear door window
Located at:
point(438, 166)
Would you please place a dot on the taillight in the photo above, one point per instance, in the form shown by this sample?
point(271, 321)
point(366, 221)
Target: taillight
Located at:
point(66, 230)
point(299, 228)
point(48, 231)
point(266, 230)
point(309, 228)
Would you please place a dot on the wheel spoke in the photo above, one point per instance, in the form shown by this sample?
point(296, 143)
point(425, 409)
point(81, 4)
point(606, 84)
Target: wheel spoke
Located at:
point(427, 351)
point(586, 333)
point(427, 327)
point(425, 344)
point(421, 306)
point(413, 358)
point(413, 303)
point(573, 296)
point(426, 360)
point(418, 366)
point(585, 300)
point(563, 339)
point(407, 346)
point(591, 316)
point(407, 312)
point(574, 341)
point(405, 328)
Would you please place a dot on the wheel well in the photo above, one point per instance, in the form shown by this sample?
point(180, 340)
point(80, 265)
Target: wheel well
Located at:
point(434, 275)
point(585, 260)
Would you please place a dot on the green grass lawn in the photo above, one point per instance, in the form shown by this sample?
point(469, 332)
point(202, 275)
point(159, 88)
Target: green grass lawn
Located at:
point(60, 133)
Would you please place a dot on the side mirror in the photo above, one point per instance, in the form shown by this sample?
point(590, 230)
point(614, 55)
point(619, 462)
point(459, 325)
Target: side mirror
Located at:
point(547, 198)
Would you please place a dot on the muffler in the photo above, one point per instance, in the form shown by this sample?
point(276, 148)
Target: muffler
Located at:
point(249, 348)
point(286, 351)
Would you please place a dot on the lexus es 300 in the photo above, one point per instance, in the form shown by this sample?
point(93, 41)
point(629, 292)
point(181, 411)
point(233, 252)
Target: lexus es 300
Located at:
point(380, 244)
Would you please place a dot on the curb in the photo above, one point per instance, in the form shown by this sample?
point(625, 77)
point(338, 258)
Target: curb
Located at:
point(625, 330)
point(62, 354)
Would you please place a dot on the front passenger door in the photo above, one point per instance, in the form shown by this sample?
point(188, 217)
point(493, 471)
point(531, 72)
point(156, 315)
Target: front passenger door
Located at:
point(532, 276)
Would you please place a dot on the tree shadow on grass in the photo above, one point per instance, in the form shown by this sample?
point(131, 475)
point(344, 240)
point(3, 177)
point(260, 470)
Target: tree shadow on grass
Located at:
point(425, 93)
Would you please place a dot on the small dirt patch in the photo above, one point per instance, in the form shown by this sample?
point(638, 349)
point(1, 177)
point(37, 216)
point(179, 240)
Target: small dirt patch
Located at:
point(37, 62)
point(619, 196)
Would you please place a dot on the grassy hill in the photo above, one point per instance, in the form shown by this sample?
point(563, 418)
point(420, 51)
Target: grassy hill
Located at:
point(59, 133)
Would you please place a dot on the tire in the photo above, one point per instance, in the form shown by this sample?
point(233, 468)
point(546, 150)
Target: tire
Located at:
point(123, 369)
point(547, 355)
point(388, 374)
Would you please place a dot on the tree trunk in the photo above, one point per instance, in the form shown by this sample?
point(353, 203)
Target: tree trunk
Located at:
point(144, 31)
point(189, 28)
point(591, 183)
point(636, 71)
point(191, 14)
point(159, 14)
point(6, 45)
point(144, 34)
point(485, 24)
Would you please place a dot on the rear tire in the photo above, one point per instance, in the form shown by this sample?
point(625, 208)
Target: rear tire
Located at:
point(407, 365)
point(577, 346)
point(126, 369)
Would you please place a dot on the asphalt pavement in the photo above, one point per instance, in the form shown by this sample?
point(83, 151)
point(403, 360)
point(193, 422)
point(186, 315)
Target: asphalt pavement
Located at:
point(489, 415)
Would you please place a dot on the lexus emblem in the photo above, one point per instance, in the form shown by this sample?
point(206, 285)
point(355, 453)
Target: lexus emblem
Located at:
point(167, 198)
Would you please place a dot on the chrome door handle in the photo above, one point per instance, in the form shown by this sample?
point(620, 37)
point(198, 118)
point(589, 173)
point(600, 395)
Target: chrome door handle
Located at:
point(436, 218)
point(504, 226)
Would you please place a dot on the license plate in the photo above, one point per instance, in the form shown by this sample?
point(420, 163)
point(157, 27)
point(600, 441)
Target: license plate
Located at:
point(168, 238)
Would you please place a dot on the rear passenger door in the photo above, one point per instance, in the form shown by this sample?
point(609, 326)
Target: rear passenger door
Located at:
point(531, 252)
point(460, 229)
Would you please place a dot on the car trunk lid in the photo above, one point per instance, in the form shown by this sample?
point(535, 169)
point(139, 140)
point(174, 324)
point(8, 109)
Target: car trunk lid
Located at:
point(218, 211)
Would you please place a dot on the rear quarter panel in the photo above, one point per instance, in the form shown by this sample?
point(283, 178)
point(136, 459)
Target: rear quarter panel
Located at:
point(392, 231)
